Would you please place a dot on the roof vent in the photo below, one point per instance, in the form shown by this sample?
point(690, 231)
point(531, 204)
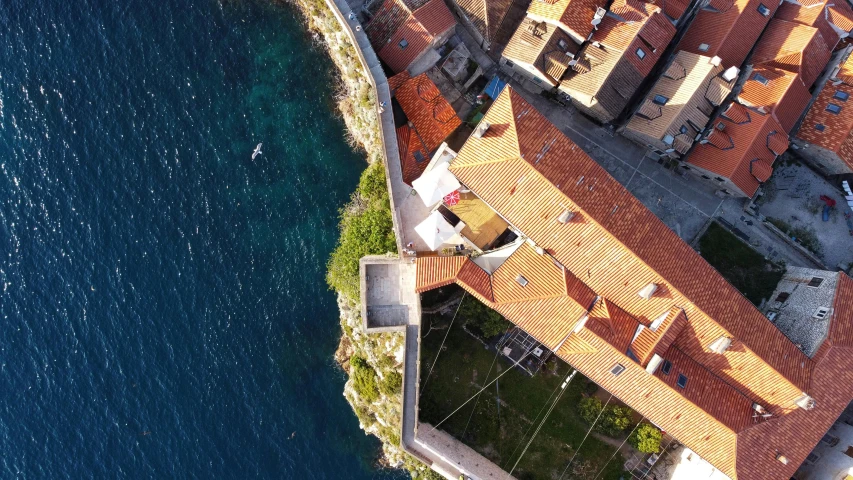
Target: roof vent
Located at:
point(521, 280)
point(731, 73)
point(782, 458)
point(647, 291)
point(805, 402)
point(481, 129)
point(720, 345)
point(721, 126)
point(566, 216)
point(758, 408)
point(540, 250)
point(762, 109)
point(716, 61)
point(596, 44)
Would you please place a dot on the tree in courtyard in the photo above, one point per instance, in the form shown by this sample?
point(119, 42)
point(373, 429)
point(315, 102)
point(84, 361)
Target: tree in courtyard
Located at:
point(489, 322)
point(646, 438)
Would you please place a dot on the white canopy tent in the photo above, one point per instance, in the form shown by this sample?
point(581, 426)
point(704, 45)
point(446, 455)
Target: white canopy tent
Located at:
point(435, 230)
point(433, 185)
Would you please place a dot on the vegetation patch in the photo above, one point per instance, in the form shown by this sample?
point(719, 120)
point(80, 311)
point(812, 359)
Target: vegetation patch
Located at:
point(364, 379)
point(742, 266)
point(366, 229)
point(486, 321)
point(646, 438)
point(805, 236)
point(612, 421)
point(500, 422)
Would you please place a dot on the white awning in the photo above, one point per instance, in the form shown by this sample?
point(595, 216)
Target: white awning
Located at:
point(435, 230)
point(433, 185)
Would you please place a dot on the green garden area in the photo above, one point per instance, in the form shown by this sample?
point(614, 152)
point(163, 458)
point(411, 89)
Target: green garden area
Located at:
point(500, 431)
point(738, 263)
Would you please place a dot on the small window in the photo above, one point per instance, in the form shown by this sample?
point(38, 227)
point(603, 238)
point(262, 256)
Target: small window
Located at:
point(537, 79)
point(762, 9)
point(761, 79)
point(812, 458)
point(521, 280)
point(641, 53)
point(668, 139)
point(833, 108)
point(706, 177)
point(849, 451)
point(685, 167)
point(660, 100)
point(683, 129)
point(703, 47)
point(403, 44)
point(819, 127)
point(617, 369)
point(815, 282)
point(839, 95)
point(682, 380)
point(821, 313)
point(719, 179)
point(666, 367)
point(509, 64)
point(419, 157)
point(830, 440)
point(783, 296)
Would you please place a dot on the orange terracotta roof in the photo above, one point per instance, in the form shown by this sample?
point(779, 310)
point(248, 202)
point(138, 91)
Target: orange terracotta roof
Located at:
point(431, 117)
point(576, 15)
point(400, 35)
point(486, 15)
point(779, 92)
point(750, 141)
point(730, 33)
point(737, 113)
point(650, 342)
point(546, 47)
point(829, 130)
point(793, 47)
point(435, 17)
point(823, 15)
point(530, 173)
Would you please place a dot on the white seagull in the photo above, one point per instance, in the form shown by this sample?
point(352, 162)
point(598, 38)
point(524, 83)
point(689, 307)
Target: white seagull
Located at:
point(257, 151)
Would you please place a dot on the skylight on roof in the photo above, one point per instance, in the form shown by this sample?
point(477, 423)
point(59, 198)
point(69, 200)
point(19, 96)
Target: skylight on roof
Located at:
point(660, 100)
point(682, 380)
point(762, 9)
point(703, 47)
point(666, 367)
point(833, 108)
point(521, 280)
point(403, 44)
point(617, 369)
point(839, 95)
point(761, 79)
point(819, 127)
point(641, 53)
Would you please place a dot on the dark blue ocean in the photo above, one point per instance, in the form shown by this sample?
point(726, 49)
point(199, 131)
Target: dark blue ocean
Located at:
point(163, 304)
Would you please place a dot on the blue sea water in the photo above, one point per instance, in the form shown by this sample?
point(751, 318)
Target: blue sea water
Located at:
point(164, 311)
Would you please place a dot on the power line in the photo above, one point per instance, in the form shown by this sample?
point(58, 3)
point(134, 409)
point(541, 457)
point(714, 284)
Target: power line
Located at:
point(617, 450)
point(442, 343)
point(585, 437)
point(536, 418)
point(485, 387)
point(497, 352)
point(557, 399)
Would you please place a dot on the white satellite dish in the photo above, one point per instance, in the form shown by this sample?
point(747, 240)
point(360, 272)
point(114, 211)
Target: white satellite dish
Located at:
point(596, 21)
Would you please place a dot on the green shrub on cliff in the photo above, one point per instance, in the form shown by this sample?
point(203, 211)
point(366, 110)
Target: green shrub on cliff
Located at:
point(366, 229)
point(391, 384)
point(364, 379)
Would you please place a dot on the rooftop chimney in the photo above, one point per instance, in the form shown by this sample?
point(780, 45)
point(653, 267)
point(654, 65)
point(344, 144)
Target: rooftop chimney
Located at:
point(481, 129)
point(716, 61)
point(566, 216)
point(731, 73)
point(805, 402)
point(720, 345)
point(647, 291)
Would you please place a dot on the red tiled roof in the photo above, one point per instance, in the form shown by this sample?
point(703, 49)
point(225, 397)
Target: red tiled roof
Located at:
point(751, 140)
point(435, 17)
point(793, 47)
point(485, 15)
point(431, 117)
point(530, 173)
point(837, 128)
point(784, 95)
point(737, 113)
point(729, 34)
point(576, 15)
point(650, 342)
point(394, 24)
